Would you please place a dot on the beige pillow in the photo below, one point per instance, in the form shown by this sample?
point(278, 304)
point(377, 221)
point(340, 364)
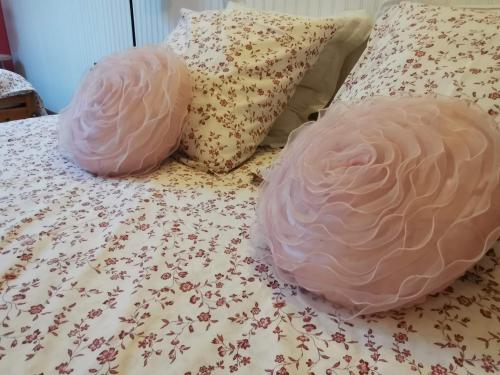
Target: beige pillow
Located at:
point(245, 66)
point(418, 49)
point(321, 82)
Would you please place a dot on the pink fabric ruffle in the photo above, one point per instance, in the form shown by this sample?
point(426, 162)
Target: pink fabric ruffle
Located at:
point(128, 114)
point(383, 202)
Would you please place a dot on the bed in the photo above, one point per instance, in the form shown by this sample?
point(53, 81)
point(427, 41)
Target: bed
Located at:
point(157, 274)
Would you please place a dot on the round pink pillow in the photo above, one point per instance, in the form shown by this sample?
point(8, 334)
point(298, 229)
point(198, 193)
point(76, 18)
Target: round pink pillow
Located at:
point(128, 114)
point(382, 202)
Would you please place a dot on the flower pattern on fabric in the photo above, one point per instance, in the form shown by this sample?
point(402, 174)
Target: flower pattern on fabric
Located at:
point(244, 68)
point(157, 274)
point(418, 49)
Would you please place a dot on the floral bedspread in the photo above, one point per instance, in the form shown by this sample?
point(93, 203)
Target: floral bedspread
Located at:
point(157, 274)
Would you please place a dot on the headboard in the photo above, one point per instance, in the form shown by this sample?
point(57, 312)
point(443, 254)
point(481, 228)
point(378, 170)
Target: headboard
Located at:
point(170, 8)
point(329, 7)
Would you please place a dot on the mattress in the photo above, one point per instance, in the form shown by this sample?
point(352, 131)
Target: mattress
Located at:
point(158, 274)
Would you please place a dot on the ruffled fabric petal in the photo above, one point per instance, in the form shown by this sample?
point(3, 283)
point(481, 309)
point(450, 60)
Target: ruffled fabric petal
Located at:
point(128, 115)
point(382, 202)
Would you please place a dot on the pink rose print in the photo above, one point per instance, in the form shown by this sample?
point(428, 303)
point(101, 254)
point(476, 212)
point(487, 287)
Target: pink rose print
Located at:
point(264, 322)
point(36, 309)
point(204, 317)
point(108, 355)
point(18, 297)
point(400, 337)
point(96, 344)
point(63, 369)
point(338, 337)
point(194, 299)
point(94, 313)
point(309, 327)
point(363, 367)
point(439, 370)
point(243, 344)
point(186, 287)
point(464, 301)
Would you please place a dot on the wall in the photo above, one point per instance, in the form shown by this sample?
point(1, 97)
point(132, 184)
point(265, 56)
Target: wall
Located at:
point(55, 42)
point(4, 42)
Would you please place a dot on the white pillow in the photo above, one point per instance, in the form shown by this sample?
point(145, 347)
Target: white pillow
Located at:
point(418, 49)
point(244, 66)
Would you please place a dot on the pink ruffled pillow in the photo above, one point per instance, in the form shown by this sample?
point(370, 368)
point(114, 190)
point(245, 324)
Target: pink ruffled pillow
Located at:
point(382, 202)
point(128, 114)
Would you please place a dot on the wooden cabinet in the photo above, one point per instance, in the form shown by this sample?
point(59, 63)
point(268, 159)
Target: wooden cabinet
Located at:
point(18, 107)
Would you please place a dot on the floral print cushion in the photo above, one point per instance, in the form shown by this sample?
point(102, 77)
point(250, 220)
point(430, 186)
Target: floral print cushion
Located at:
point(245, 66)
point(418, 49)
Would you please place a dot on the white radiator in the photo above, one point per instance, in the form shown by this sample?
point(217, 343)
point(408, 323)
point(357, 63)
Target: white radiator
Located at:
point(330, 7)
point(314, 7)
point(154, 19)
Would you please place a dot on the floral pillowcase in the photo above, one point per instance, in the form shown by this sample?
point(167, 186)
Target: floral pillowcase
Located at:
point(418, 49)
point(245, 66)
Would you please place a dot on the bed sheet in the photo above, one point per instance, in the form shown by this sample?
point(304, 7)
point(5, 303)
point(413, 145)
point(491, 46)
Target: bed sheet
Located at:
point(157, 274)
